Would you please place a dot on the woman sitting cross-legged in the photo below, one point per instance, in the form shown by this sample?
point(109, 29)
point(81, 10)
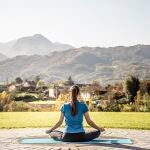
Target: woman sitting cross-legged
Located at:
point(73, 112)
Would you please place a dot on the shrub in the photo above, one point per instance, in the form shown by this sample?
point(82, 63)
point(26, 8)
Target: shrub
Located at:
point(62, 98)
point(122, 101)
point(27, 98)
point(5, 99)
point(99, 108)
point(127, 108)
point(113, 107)
point(19, 107)
point(145, 103)
point(143, 108)
point(8, 104)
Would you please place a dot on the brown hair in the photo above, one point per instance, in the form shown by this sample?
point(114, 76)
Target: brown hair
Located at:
point(74, 93)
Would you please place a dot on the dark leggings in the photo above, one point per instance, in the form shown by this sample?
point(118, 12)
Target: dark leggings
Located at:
point(75, 137)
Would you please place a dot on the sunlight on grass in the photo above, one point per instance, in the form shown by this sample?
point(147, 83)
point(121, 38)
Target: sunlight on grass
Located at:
point(132, 120)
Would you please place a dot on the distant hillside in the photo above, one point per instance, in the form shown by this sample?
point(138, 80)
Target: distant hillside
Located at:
point(2, 57)
point(36, 44)
point(84, 64)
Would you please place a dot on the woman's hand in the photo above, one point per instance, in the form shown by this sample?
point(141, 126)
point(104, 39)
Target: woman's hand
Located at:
point(57, 124)
point(48, 131)
point(91, 123)
point(102, 129)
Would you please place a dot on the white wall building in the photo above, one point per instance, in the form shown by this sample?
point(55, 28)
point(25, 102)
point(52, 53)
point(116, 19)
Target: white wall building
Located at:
point(85, 95)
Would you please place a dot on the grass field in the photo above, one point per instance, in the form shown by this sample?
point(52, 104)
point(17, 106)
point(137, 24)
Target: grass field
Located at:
point(132, 120)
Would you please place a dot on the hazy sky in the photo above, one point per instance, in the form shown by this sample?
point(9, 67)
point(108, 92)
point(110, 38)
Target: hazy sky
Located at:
point(77, 22)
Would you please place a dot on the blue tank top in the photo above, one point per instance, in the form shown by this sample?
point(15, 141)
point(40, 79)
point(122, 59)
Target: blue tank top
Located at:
point(74, 124)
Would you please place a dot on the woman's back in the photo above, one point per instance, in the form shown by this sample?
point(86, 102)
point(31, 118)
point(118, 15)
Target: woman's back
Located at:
point(73, 113)
point(74, 124)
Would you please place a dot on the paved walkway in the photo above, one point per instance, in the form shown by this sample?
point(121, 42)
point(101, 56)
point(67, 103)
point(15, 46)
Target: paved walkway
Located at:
point(9, 140)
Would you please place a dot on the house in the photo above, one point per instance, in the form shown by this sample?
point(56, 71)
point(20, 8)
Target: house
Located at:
point(28, 86)
point(59, 87)
point(14, 86)
point(65, 84)
point(55, 90)
point(85, 95)
point(11, 87)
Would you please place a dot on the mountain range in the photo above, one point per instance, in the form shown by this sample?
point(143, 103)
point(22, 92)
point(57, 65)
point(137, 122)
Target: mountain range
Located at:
point(84, 64)
point(3, 57)
point(30, 45)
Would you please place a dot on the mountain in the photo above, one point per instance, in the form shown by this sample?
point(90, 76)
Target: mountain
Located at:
point(2, 57)
point(107, 65)
point(36, 44)
point(5, 48)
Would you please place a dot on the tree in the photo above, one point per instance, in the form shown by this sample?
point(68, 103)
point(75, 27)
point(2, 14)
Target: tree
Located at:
point(91, 105)
point(131, 86)
point(37, 78)
point(5, 100)
point(95, 86)
point(40, 84)
point(18, 80)
point(70, 80)
point(145, 87)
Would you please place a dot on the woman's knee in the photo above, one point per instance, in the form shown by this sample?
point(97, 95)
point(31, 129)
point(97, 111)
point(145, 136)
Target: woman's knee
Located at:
point(92, 135)
point(96, 133)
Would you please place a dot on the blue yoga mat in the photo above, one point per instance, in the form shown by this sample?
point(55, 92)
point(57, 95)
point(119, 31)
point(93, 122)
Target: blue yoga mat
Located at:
point(95, 141)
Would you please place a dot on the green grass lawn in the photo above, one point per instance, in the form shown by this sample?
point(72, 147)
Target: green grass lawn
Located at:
point(132, 120)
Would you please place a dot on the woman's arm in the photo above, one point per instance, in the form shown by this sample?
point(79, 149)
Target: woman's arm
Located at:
point(58, 124)
point(91, 123)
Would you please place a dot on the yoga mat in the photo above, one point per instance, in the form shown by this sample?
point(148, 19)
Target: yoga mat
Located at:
point(95, 141)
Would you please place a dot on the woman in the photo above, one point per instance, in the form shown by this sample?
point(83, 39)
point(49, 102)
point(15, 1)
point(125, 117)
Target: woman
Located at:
point(73, 113)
